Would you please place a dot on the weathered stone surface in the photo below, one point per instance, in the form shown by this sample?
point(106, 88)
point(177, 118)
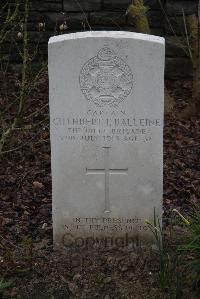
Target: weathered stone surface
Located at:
point(104, 15)
point(106, 18)
point(82, 5)
point(72, 21)
point(53, 22)
point(78, 21)
point(37, 6)
point(154, 31)
point(112, 27)
point(116, 4)
point(157, 31)
point(175, 26)
point(177, 7)
point(106, 109)
point(176, 47)
point(155, 19)
point(123, 4)
point(178, 68)
point(153, 3)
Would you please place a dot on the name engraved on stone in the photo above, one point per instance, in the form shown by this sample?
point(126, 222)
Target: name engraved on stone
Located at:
point(106, 79)
point(107, 171)
point(106, 124)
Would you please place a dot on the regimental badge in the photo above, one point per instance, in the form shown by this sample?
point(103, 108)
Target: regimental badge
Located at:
point(106, 79)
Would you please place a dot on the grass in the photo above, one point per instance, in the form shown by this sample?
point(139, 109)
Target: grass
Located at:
point(191, 246)
point(169, 276)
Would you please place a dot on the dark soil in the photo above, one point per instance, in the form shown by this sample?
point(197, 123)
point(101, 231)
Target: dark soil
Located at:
point(26, 255)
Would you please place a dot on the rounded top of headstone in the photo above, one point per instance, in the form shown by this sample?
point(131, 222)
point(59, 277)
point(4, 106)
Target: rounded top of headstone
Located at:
point(111, 34)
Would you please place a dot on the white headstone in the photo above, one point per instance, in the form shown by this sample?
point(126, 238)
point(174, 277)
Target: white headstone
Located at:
point(106, 114)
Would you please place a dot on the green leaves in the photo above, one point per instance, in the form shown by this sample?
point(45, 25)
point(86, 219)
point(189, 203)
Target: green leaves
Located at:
point(138, 12)
point(137, 9)
point(185, 221)
point(4, 285)
point(192, 245)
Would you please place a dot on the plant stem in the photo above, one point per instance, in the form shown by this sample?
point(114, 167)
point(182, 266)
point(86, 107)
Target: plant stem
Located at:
point(23, 86)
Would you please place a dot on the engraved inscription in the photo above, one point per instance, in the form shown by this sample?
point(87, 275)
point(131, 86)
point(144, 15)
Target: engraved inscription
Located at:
point(107, 224)
point(106, 79)
point(101, 128)
point(106, 171)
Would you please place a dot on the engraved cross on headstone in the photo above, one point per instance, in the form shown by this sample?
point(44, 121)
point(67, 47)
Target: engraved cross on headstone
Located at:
point(107, 171)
